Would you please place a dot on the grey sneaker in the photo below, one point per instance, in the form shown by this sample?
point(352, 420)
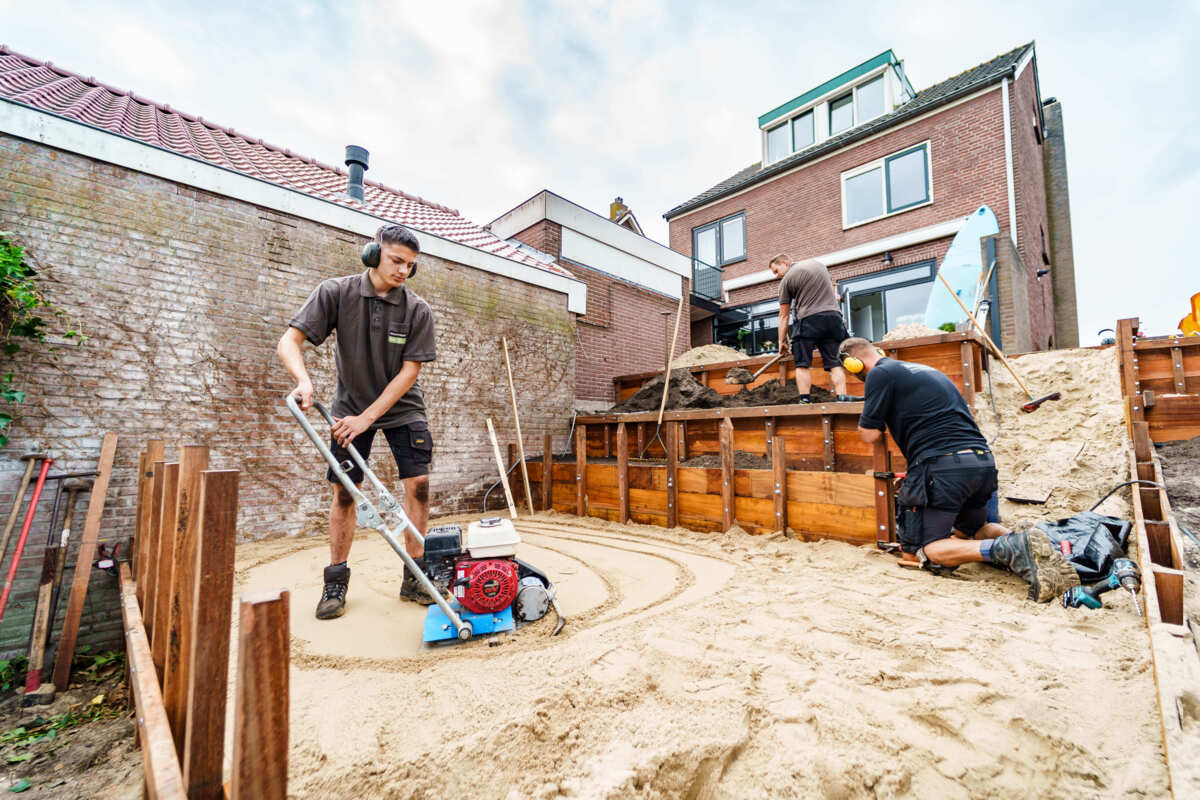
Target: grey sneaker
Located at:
point(1031, 555)
point(411, 589)
point(333, 598)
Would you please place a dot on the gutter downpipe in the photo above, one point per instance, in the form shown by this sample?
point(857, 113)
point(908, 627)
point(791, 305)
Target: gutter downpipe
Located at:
point(1008, 163)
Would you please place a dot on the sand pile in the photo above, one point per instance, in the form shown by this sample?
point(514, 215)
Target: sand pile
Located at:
point(686, 392)
point(707, 354)
point(703, 665)
point(1074, 448)
point(913, 331)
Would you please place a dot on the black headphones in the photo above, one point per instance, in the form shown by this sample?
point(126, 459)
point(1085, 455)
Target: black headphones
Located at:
point(372, 250)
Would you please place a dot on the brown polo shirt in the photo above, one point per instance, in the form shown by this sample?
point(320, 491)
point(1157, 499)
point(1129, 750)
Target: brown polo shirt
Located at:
point(808, 289)
point(375, 336)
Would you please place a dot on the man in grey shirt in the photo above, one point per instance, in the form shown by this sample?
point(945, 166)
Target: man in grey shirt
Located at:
point(807, 295)
point(384, 334)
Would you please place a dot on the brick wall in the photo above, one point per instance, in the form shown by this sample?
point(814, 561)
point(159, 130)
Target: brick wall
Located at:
point(625, 329)
point(183, 295)
point(1012, 288)
point(1058, 210)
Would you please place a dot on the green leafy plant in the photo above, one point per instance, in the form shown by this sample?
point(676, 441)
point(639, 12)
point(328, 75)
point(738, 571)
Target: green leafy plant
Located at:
point(948, 327)
point(24, 312)
point(12, 672)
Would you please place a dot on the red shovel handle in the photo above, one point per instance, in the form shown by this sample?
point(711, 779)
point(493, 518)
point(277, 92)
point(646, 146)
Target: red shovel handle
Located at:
point(16, 559)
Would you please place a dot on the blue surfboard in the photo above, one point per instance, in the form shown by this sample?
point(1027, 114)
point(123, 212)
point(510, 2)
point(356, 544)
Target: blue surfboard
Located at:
point(963, 269)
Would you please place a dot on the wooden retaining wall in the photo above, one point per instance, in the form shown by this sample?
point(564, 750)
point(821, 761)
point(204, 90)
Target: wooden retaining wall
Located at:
point(1161, 375)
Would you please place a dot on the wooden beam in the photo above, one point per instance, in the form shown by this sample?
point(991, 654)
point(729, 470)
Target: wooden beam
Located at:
point(968, 373)
point(139, 538)
point(160, 767)
point(83, 565)
point(885, 492)
point(260, 722)
point(41, 619)
point(671, 430)
point(779, 476)
point(166, 566)
point(682, 441)
point(827, 436)
point(154, 452)
point(193, 460)
point(1127, 362)
point(725, 434)
point(150, 573)
point(607, 441)
point(1142, 445)
point(623, 472)
point(547, 472)
point(580, 469)
point(641, 439)
point(1177, 370)
point(762, 412)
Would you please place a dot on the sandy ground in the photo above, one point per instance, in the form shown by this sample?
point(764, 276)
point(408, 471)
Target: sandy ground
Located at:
point(716, 666)
point(707, 354)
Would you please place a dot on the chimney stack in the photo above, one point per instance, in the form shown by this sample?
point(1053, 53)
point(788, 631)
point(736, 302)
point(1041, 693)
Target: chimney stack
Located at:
point(356, 160)
point(616, 209)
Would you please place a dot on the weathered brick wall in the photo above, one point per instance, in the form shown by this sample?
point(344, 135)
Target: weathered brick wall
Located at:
point(624, 330)
point(1033, 226)
point(1058, 210)
point(183, 295)
point(1012, 287)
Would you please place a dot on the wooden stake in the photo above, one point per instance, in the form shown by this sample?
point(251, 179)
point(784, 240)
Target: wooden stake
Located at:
point(138, 537)
point(725, 429)
point(779, 475)
point(193, 460)
point(83, 565)
point(517, 419)
point(667, 370)
point(885, 506)
point(260, 723)
point(986, 338)
point(204, 738)
point(151, 567)
point(547, 472)
point(41, 618)
point(512, 508)
point(581, 470)
point(159, 763)
point(673, 435)
point(622, 473)
point(154, 452)
point(166, 566)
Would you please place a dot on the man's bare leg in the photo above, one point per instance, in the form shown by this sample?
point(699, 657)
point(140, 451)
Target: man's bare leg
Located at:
point(341, 525)
point(954, 551)
point(837, 377)
point(416, 505)
point(803, 380)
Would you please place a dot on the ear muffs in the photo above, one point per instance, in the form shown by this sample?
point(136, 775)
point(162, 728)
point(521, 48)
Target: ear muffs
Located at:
point(850, 363)
point(370, 257)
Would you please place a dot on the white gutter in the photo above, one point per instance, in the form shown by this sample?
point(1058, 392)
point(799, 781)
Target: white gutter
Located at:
point(1008, 163)
point(927, 234)
point(25, 122)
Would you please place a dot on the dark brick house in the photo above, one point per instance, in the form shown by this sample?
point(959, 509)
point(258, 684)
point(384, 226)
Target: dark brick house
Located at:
point(874, 179)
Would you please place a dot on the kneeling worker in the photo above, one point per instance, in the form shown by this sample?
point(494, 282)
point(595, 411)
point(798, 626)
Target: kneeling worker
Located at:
point(384, 334)
point(951, 473)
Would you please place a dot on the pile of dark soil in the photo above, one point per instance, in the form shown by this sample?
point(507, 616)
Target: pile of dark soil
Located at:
point(741, 460)
point(686, 392)
point(1181, 469)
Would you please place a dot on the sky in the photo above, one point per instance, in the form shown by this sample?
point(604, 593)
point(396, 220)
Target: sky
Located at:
point(480, 105)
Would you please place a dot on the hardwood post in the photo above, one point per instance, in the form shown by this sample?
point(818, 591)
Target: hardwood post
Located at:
point(681, 435)
point(608, 441)
point(260, 723)
point(1127, 363)
point(623, 472)
point(547, 472)
point(511, 451)
point(204, 736)
point(641, 438)
point(142, 523)
point(193, 460)
point(726, 439)
point(166, 566)
point(968, 374)
point(83, 565)
point(139, 538)
point(581, 470)
point(885, 491)
point(673, 435)
point(770, 429)
point(827, 435)
point(1177, 372)
point(149, 574)
point(779, 476)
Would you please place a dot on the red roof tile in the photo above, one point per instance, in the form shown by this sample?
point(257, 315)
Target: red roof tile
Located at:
point(49, 88)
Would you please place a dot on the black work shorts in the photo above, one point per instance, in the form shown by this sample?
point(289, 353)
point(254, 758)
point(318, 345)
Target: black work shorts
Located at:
point(411, 446)
point(824, 331)
point(947, 493)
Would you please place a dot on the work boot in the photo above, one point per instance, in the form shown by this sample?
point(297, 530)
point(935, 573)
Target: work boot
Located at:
point(411, 588)
point(1031, 555)
point(849, 398)
point(333, 598)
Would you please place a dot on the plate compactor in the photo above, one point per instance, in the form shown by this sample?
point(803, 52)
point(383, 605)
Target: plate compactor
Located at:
point(476, 582)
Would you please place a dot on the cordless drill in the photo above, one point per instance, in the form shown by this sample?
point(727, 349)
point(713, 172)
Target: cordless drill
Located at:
point(1124, 575)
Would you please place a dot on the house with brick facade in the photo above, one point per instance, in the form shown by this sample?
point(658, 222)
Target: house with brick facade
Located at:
point(874, 179)
point(633, 287)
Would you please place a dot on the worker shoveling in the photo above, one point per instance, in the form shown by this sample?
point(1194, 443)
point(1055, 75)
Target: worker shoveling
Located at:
point(474, 584)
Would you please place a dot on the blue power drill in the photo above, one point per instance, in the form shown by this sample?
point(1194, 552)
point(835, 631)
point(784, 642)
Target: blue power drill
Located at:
point(1124, 575)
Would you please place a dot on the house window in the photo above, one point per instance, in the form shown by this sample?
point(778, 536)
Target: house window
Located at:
point(869, 99)
point(753, 329)
point(841, 113)
point(875, 304)
point(778, 145)
point(886, 186)
point(721, 242)
point(802, 132)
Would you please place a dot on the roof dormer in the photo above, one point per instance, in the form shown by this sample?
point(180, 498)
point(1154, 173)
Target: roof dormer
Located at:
point(870, 90)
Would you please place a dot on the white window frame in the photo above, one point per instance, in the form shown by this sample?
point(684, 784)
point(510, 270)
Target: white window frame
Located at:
point(857, 119)
point(879, 164)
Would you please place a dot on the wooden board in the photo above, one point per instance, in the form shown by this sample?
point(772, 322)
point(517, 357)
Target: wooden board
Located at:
point(727, 505)
point(166, 566)
point(545, 474)
point(142, 540)
point(674, 436)
point(151, 566)
point(623, 472)
point(260, 724)
point(1174, 418)
point(83, 565)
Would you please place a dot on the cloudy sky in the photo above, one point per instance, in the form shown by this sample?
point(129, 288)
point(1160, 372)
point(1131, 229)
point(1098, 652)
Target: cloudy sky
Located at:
point(479, 105)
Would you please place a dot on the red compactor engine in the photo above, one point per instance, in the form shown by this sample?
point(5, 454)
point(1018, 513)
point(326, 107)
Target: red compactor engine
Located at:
point(485, 586)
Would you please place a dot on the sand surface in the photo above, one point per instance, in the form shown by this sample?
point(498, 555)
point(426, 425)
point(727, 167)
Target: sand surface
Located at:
point(707, 354)
point(716, 666)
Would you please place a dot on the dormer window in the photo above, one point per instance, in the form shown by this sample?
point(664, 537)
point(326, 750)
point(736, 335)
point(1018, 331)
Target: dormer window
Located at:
point(869, 99)
point(803, 133)
point(841, 114)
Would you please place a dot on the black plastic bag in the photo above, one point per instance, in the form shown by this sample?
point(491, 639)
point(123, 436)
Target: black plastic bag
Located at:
point(1095, 541)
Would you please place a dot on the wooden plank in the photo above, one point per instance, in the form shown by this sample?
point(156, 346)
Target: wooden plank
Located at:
point(885, 505)
point(755, 512)
point(204, 736)
point(580, 469)
point(967, 352)
point(160, 767)
point(1126, 363)
point(623, 470)
point(726, 436)
point(762, 412)
point(260, 722)
point(41, 620)
point(681, 440)
point(779, 478)
point(83, 565)
point(547, 472)
point(166, 566)
point(607, 441)
point(827, 436)
point(673, 437)
point(1142, 444)
point(139, 538)
point(1148, 399)
point(1177, 370)
point(647, 501)
point(826, 521)
point(151, 569)
point(193, 460)
point(838, 488)
point(144, 522)
point(1174, 418)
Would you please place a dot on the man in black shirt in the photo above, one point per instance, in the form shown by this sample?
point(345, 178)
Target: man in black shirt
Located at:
point(951, 474)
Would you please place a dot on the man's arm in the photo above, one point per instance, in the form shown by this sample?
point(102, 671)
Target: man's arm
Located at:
point(292, 357)
point(784, 310)
point(869, 435)
point(346, 428)
point(876, 406)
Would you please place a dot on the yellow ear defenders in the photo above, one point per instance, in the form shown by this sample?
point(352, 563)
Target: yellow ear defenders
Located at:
point(371, 252)
point(851, 364)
